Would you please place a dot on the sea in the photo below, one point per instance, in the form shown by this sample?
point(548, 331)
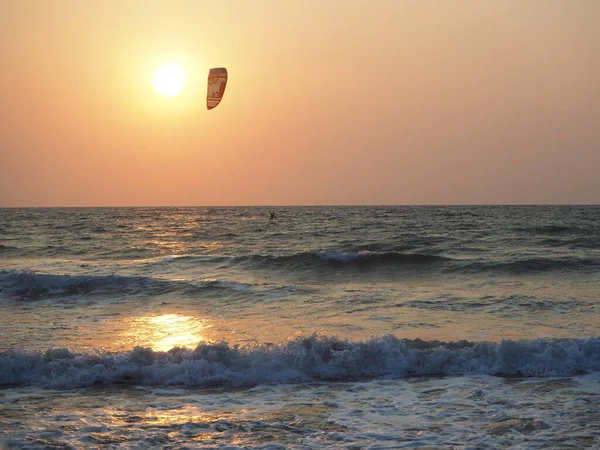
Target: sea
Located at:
point(350, 327)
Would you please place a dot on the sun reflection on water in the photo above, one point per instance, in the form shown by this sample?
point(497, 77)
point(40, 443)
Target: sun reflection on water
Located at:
point(166, 331)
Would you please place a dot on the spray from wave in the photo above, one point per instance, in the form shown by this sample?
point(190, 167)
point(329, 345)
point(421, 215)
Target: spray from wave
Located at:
point(300, 360)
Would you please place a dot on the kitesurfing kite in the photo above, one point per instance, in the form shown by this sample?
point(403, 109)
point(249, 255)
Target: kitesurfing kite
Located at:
point(217, 80)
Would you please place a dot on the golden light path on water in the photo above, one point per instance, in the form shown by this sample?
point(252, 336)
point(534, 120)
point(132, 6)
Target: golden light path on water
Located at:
point(166, 331)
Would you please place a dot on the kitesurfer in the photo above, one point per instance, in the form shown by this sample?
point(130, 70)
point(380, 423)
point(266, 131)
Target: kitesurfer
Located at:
point(272, 216)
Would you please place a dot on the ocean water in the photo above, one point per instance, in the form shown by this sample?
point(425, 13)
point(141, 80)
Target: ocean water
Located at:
point(328, 327)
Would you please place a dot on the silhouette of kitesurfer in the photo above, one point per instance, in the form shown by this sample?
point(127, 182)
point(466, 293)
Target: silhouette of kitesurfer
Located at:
point(272, 216)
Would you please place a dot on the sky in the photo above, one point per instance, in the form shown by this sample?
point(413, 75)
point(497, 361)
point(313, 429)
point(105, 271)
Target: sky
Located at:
point(329, 102)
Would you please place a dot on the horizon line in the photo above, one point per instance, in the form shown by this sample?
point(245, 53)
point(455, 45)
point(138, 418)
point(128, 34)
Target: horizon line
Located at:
point(349, 205)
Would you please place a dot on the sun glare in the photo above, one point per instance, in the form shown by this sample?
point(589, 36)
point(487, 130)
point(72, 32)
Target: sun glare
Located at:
point(164, 332)
point(169, 79)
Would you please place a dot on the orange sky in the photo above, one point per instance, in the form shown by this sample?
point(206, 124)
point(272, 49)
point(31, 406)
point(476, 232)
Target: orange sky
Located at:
point(328, 102)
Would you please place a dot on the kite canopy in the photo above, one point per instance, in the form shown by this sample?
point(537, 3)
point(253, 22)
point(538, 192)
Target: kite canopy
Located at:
point(217, 80)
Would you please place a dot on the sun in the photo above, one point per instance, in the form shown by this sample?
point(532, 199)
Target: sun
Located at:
point(169, 79)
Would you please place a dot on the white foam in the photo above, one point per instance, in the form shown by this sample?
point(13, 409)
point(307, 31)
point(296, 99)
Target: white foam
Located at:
point(316, 358)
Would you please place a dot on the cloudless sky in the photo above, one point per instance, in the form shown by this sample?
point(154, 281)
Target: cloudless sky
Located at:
point(328, 102)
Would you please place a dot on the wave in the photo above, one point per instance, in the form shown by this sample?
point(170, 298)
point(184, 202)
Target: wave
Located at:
point(367, 259)
point(585, 243)
point(575, 237)
point(4, 249)
point(501, 304)
point(533, 265)
point(393, 260)
point(415, 262)
point(29, 285)
point(301, 360)
point(548, 229)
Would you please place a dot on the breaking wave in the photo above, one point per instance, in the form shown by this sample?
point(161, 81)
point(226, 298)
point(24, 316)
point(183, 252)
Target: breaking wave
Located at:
point(29, 285)
point(301, 360)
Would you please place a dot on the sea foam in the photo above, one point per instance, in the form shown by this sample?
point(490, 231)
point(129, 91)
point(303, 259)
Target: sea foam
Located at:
point(301, 360)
